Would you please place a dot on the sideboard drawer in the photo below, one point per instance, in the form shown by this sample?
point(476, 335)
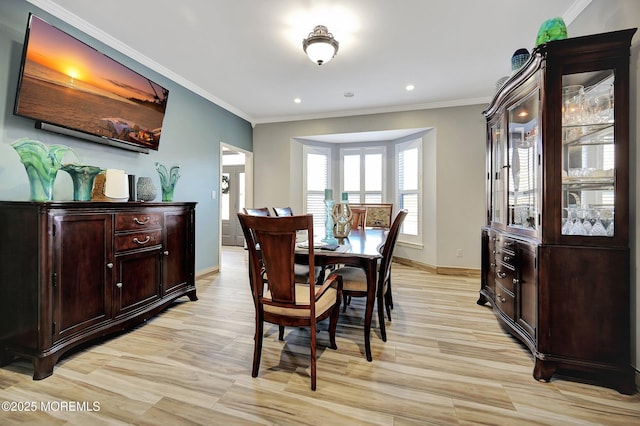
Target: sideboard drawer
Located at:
point(138, 240)
point(141, 220)
point(505, 276)
point(505, 301)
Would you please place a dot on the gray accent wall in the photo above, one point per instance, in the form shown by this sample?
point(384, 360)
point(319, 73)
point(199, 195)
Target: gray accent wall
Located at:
point(191, 135)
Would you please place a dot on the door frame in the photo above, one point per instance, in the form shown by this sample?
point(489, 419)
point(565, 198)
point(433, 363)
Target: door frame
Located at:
point(248, 170)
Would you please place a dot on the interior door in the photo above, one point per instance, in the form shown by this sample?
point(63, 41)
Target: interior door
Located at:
point(232, 200)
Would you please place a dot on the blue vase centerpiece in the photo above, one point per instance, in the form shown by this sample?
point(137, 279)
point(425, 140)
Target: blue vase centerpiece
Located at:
point(168, 180)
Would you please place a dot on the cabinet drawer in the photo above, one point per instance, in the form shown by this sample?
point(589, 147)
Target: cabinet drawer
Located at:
point(137, 240)
point(505, 276)
point(505, 301)
point(132, 221)
point(508, 258)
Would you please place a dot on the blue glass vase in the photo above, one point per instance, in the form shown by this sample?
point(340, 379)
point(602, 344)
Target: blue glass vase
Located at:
point(329, 223)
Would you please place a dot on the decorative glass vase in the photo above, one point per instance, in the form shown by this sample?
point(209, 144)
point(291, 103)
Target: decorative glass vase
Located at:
point(342, 216)
point(82, 177)
point(168, 179)
point(328, 224)
point(145, 189)
point(42, 163)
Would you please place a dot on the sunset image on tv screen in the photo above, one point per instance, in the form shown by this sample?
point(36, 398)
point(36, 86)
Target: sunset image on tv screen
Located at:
point(70, 84)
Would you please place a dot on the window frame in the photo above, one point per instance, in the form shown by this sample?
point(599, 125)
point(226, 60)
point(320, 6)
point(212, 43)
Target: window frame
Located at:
point(398, 148)
point(363, 151)
point(318, 222)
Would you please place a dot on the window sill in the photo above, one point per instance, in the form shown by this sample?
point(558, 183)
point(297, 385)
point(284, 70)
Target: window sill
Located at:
point(411, 244)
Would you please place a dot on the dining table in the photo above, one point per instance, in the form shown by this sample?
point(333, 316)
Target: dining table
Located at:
point(362, 249)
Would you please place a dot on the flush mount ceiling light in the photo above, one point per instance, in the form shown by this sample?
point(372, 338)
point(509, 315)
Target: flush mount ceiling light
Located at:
point(320, 45)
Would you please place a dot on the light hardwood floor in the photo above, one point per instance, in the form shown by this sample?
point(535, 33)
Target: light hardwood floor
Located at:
point(446, 362)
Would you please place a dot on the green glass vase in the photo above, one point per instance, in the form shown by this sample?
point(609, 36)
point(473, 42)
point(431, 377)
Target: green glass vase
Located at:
point(82, 177)
point(42, 163)
point(168, 180)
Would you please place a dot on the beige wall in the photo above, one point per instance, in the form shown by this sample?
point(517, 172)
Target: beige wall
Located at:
point(454, 208)
point(453, 159)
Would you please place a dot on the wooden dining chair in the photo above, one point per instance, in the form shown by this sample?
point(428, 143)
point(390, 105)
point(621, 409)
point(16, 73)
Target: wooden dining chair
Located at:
point(257, 211)
point(280, 300)
point(359, 217)
point(301, 270)
point(283, 211)
point(355, 281)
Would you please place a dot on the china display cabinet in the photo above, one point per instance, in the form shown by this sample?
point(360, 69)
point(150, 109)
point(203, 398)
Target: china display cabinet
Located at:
point(71, 272)
point(555, 247)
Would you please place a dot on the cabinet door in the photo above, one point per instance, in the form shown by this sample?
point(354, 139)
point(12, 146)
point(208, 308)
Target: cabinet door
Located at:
point(527, 289)
point(488, 263)
point(497, 166)
point(589, 150)
point(178, 240)
point(523, 197)
point(137, 282)
point(81, 272)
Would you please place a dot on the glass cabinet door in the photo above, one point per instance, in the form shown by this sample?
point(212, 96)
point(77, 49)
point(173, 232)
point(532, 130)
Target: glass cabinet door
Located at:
point(497, 170)
point(524, 164)
point(588, 139)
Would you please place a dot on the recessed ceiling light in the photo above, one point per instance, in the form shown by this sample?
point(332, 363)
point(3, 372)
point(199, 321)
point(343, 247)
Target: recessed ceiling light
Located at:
point(409, 87)
point(297, 100)
point(349, 94)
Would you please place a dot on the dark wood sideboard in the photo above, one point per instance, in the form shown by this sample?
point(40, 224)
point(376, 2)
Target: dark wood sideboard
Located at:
point(71, 272)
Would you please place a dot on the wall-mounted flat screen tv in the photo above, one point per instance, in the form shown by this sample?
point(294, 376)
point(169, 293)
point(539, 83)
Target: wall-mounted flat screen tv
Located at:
point(71, 88)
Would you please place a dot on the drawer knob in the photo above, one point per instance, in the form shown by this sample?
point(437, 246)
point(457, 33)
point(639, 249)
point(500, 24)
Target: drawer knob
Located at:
point(507, 258)
point(166, 252)
point(145, 241)
point(501, 274)
point(516, 281)
point(119, 285)
point(142, 222)
point(110, 265)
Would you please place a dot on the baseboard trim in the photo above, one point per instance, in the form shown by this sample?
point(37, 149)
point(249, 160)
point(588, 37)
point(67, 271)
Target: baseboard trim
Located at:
point(465, 272)
point(207, 271)
point(414, 264)
point(440, 270)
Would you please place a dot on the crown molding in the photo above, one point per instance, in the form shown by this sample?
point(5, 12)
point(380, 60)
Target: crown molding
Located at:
point(82, 25)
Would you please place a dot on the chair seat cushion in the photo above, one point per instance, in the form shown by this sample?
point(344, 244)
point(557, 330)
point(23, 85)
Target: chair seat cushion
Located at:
point(353, 279)
point(323, 304)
